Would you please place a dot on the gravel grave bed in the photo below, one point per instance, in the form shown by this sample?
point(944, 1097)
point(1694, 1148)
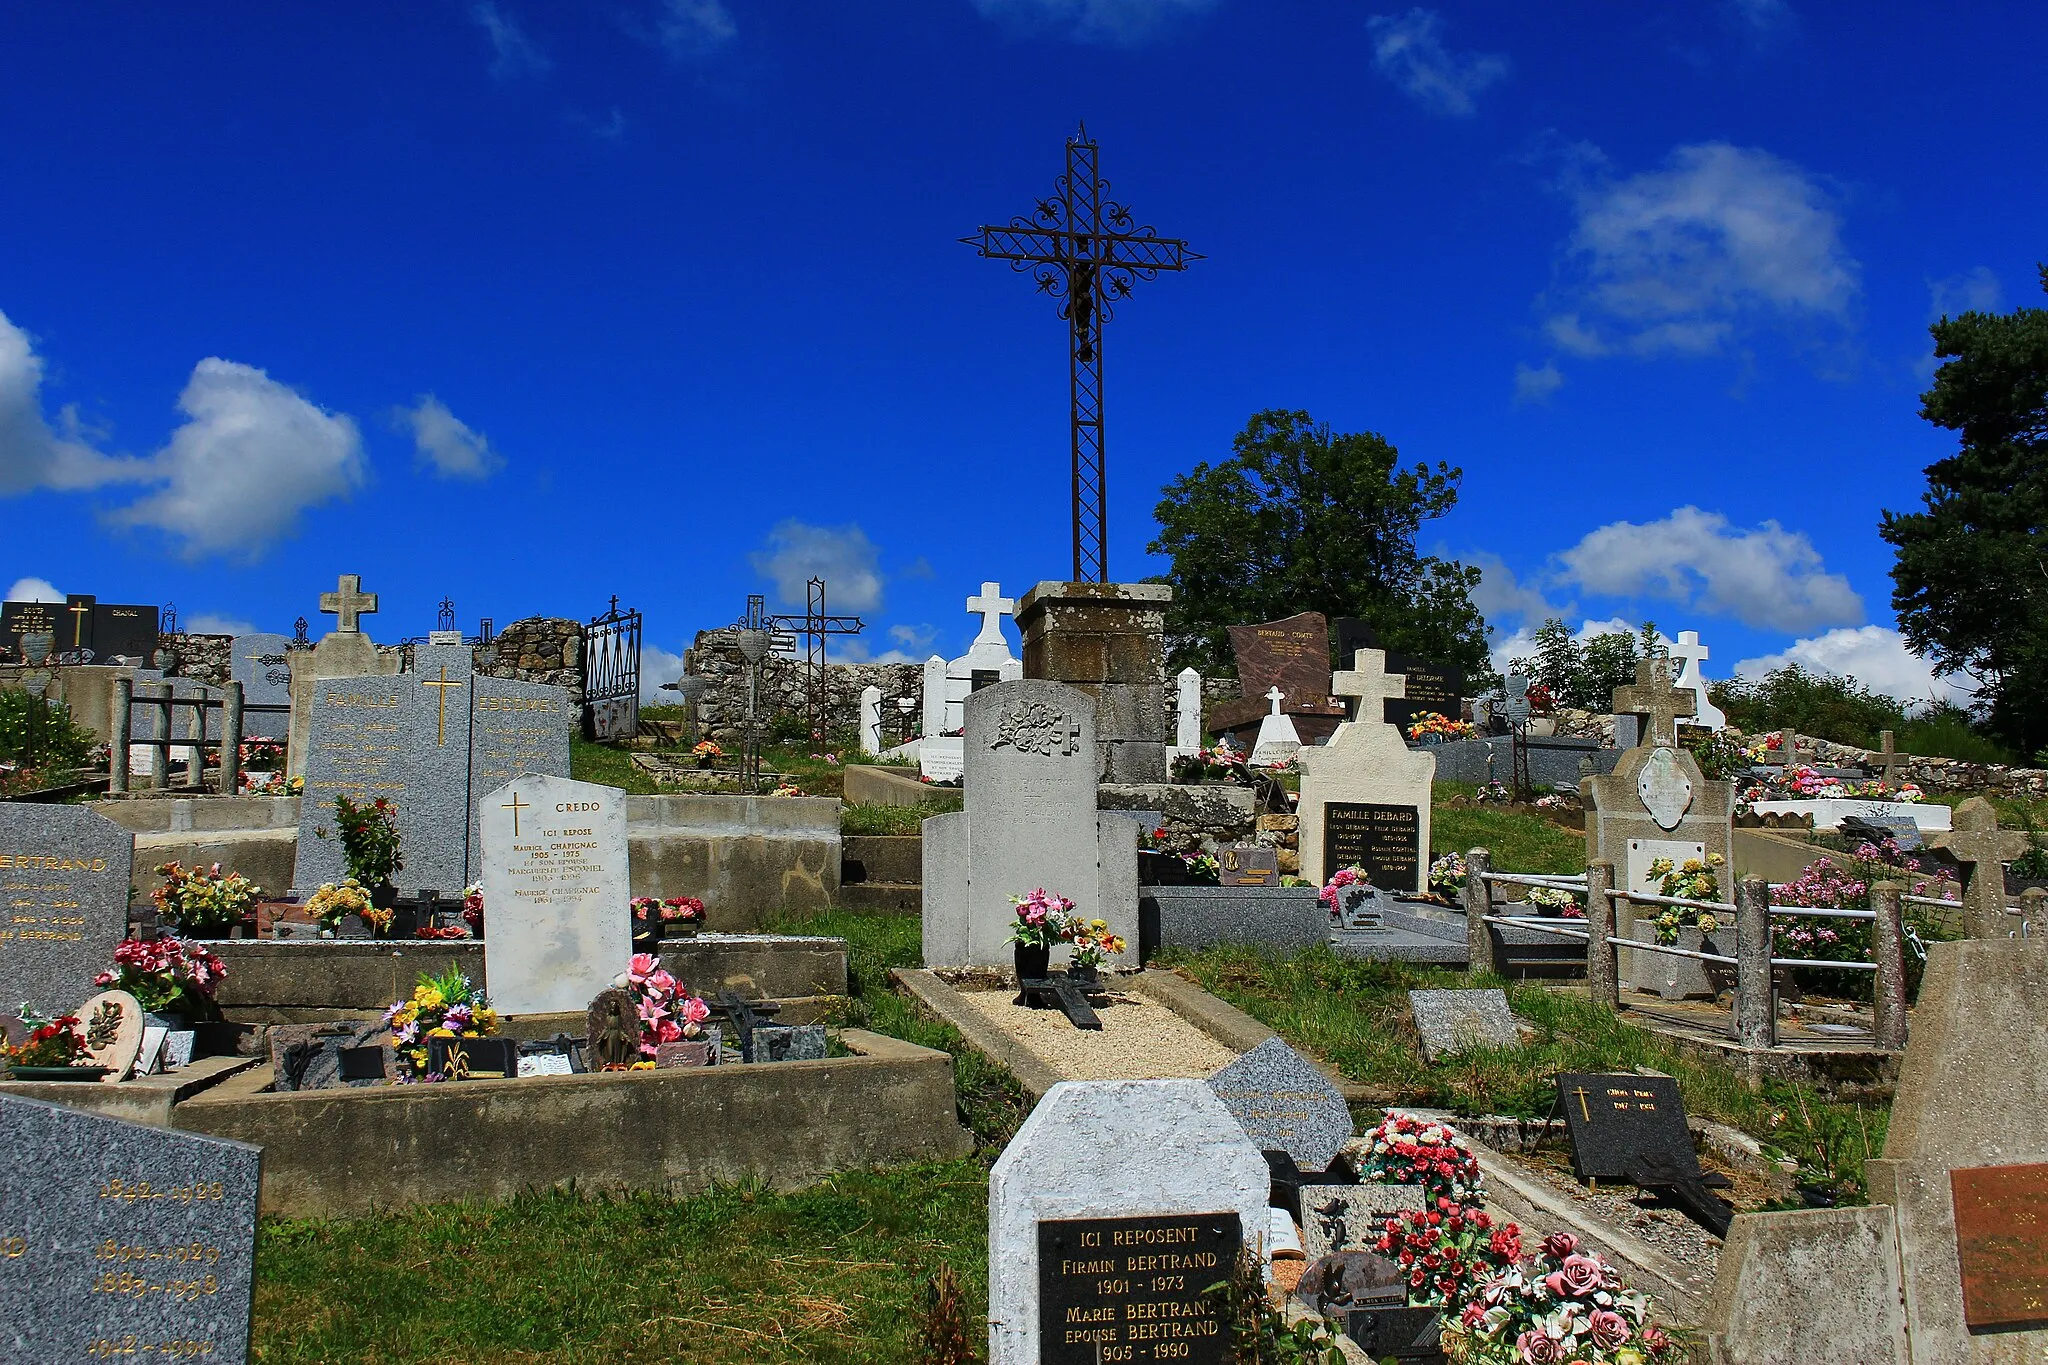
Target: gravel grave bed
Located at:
point(1139, 1041)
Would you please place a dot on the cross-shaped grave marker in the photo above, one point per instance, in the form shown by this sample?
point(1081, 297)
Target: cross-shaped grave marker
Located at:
point(993, 607)
point(1978, 842)
point(1368, 680)
point(1688, 654)
point(1888, 760)
point(1652, 697)
point(442, 686)
point(1276, 696)
point(349, 603)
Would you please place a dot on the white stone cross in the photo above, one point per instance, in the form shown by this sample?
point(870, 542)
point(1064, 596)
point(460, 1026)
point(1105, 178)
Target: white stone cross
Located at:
point(993, 607)
point(1688, 653)
point(1369, 681)
point(349, 602)
point(1276, 696)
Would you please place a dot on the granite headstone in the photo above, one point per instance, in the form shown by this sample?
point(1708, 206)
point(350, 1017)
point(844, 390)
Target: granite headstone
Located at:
point(1285, 1104)
point(555, 884)
point(516, 727)
point(1453, 1021)
point(263, 667)
point(64, 873)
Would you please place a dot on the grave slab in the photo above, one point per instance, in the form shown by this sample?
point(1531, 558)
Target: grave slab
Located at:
point(1452, 1021)
point(556, 891)
point(64, 872)
point(1285, 1104)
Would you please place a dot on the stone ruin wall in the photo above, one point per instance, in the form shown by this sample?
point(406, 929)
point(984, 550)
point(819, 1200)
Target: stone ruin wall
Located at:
point(538, 649)
point(715, 656)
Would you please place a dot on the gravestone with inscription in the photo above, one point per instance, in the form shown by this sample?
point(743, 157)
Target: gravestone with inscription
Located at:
point(1614, 1118)
point(1455, 1021)
point(1285, 1104)
point(1365, 796)
point(555, 882)
point(1430, 687)
point(64, 876)
point(1116, 1205)
point(1293, 656)
point(1655, 804)
point(1029, 820)
point(124, 1241)
point(1247, 865)
point(262, 665)
point(515, 727)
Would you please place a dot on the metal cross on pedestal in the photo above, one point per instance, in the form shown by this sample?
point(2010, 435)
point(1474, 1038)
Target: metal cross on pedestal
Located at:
point(814, 625)
point(1080, 246)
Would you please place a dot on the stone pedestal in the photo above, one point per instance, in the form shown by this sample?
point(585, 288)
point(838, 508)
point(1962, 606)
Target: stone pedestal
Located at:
point(1108, 640)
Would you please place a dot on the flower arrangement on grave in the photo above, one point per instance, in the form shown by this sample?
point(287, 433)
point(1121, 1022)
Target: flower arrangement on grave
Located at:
point(443, 931)
point(706, 753)
point(166, 976)
point(1405, 1150)
point(1555, 801)
point(1563, 1306)
point(262, 752)
point(1341, 878)
point(1542, 701)
point(1437, 727)
point(1093, 942)
point(787, 789)
point(333, 900)
point(473, 909)
point(1220, 764)
point(1448, 1251)
point(1044, 918)
point(668, 1011)
point(51, 1042)
point(1693, 879)
point(1201, 868)
point(679, 910)
point(369, 839)
point(276, 784)
point(1826, 884)
point(1493, 793)
point(444, 1006)
point(1447, 874)
point(1555, 900)
point(204, 903)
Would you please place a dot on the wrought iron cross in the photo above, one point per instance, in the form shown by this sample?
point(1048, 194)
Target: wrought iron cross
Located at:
point(814, 625)
point(1079, 244)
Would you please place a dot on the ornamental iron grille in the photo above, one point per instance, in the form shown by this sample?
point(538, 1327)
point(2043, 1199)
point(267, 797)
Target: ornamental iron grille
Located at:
point(611, 674)
point(1081, 247)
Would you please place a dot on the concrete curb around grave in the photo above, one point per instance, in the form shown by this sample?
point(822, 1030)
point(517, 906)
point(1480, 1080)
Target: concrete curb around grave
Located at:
point(1229, 1025)
point(938, 996)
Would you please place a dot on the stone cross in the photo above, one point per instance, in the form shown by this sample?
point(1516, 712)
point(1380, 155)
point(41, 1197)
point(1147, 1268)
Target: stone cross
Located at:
point(1369, 681)
point(1276, 696)
point(1978, 842)
point(1788, 747)
point(349, 602)
point(1888, 760)
point(1187, 710)
point(1688, 653)
point(1652, 696)
point(993, 607)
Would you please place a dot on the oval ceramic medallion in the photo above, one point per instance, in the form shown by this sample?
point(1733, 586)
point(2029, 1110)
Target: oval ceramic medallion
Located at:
point(1665, 789)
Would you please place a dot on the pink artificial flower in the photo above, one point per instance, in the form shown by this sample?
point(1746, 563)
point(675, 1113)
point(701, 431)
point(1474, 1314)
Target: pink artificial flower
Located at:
point(668, 1031)
point(1560, 1245)
point(1580, 1275)
point(1654, 1340)
point(642, 965)
point(1610, 1329)
point(694, 1010)
point(1537, 1349)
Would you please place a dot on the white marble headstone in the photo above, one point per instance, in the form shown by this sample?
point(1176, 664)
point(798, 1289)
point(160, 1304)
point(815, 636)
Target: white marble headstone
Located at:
point(556, 891)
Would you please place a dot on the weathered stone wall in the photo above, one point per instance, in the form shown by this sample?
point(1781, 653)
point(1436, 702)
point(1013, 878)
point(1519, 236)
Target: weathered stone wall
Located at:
point(716, 656)
point(539, 649)
point(206, 658)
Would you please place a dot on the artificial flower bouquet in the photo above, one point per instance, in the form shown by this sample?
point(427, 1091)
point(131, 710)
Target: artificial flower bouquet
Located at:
point(1434, 725)
point(204, 903)
point(166, 976)
point(444, 1006)
point(369, 839)
point(1556, 901)
point(674, 910)
point(668, 1011)
point(1692, 879)
point(1221, 763)
point(473, 909)
point(1564, 1307)
point(1093, 942)
point(52, 1042)
point(1044, 918)
point(1447, 875)
point(333, 900)
point(1448, 1251)
point(1341, 878)
point(1405, 1150)
point(706, 753)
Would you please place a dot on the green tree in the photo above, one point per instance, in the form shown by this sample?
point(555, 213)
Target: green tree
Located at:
point(1584, 673)
point(1970, 578)
point(1303, 519)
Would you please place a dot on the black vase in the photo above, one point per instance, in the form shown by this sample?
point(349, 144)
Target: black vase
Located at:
point(1033, 964)
point(384, 897)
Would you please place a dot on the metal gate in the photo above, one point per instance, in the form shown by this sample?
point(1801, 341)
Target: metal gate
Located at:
point(611, 675)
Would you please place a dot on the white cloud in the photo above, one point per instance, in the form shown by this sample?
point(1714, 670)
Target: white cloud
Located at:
point(251, 456)
point(1110, 22)
point(914, 638)
point(443, 443)
point(1768, 577)
point(33, 456)
point(512, 52)
point(1535, 384)
point(658, 666)
point(1501, 595)
point(1408, 49)
point(1685, 258)
point(211, 623)
point(694, 28)
point(1974, 291)
point(1522, 644)
point(796, 552)
point(33, 590)
point(1875, 656)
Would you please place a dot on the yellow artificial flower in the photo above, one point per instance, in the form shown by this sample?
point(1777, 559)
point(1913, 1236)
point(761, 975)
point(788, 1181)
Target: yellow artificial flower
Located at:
point(443, 1032)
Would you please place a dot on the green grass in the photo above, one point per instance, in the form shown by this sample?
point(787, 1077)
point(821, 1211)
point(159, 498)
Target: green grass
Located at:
point(612, 767)
point(1519, 842)
point(862, 817)
point(1356, 1014)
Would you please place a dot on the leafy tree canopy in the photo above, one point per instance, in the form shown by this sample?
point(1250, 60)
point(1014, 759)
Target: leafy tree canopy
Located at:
point(1584, 673)
point(1970, 578)
point(1304, 519)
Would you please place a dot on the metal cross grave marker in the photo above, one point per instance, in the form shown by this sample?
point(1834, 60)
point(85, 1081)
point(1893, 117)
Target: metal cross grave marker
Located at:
point(1082, 248)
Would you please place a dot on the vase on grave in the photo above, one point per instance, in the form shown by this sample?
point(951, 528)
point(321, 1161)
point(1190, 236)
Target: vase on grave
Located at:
point(1033, 964)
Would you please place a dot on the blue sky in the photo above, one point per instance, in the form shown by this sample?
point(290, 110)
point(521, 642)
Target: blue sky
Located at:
point(528, 304)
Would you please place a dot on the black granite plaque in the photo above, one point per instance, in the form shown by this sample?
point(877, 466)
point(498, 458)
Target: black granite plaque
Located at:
point(1247, 865)
point(1384, 840)
point(1131, 1289)
point(1614, 1119)
point(1431, 687)
point(28, 618)
point(121, 1240)
point(124, 631)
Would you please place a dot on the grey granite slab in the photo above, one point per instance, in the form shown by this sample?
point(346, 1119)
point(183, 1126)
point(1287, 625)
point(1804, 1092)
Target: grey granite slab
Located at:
point(1285, 1104)
point(1283, 918)
point(1452, 1021)
point(64, 875)
point(786, 1043)
point(515, 727)
point(123, 1239)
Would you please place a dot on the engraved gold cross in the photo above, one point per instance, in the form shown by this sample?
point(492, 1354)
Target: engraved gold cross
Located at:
point(78, 615)
point(515, 805)
point(441, 726)
point(1584, 1112)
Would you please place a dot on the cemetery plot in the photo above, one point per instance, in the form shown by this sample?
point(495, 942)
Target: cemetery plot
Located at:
point(1632, 1128)
point(1138, 1040)
point(139, 1241)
